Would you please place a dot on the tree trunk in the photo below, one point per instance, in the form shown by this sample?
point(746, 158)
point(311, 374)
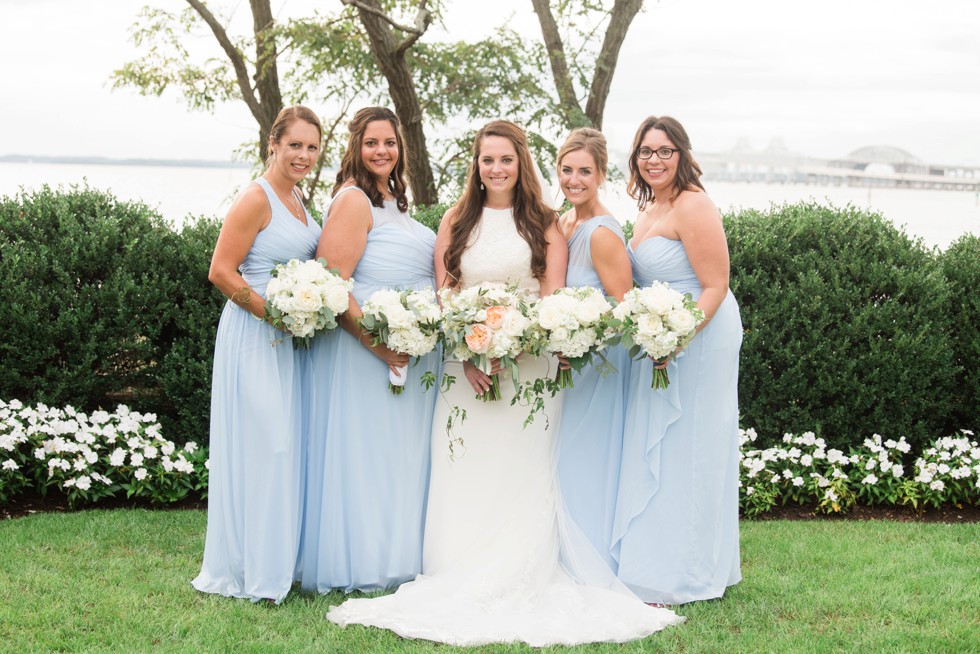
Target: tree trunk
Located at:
point(265, 106)
point(623, 13)
point(266, 71)
point(390, 56)
point(571, 109)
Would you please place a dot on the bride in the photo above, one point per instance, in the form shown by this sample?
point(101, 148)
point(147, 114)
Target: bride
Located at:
point(501, 560)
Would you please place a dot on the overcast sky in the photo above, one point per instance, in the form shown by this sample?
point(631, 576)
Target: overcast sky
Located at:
point(826, 77)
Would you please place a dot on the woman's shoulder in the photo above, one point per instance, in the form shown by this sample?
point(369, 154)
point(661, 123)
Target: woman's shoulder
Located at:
point(695, 204)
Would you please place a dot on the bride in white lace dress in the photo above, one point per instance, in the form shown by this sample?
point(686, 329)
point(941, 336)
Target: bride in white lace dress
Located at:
point(501, 560)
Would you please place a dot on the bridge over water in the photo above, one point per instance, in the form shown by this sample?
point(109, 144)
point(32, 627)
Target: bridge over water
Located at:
point(874, 166)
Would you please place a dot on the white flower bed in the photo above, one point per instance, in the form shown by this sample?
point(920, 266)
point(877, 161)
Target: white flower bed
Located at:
point(804, 470)
point(89, 457)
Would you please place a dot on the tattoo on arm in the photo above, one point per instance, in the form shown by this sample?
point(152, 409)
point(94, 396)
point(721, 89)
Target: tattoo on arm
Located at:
point(242, 296)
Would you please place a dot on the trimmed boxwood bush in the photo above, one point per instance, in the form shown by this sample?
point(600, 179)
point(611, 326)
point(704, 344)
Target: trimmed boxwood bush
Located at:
point(431, 215)
point(846, 326)
point(106, 304)
point(961, 263)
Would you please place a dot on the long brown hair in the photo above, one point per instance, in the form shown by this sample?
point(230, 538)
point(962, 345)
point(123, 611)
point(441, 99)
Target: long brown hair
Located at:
point(531, 215)
point(352, 167)
point(688, 171)
point(286, 117)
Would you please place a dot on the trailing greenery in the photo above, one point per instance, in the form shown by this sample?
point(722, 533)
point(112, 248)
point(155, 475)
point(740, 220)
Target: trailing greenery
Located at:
point(847, 326)
point(119, 581)
point(106, 303)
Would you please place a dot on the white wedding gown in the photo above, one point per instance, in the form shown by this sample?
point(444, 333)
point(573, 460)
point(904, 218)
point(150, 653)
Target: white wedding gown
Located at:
point(502, 562)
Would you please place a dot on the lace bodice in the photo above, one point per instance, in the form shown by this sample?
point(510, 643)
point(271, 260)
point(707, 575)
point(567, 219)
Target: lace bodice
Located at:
point(498, 253)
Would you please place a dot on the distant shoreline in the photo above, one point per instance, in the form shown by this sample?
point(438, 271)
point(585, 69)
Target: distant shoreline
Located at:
point(106, 161)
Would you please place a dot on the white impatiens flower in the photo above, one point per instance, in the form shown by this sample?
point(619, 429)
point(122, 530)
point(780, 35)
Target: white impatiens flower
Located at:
point(937, 485)
point(870, 479)
point(10, 464)
point(140, 474)
point(897, 470)
point(83, 482)
point(806, 460)
point(830, 495)
point(118, 457)
point(190, 447)
point(136, 460)
point(798, 481)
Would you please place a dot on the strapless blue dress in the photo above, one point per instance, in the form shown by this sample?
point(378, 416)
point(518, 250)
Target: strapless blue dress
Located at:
point(675, 532)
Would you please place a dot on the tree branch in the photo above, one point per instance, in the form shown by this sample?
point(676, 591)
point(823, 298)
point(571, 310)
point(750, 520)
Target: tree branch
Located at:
point(559, 65)
point(622, 15)
point(422, 20)
point(234, 54)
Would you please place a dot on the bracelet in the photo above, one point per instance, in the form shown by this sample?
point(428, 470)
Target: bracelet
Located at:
point(242, 296)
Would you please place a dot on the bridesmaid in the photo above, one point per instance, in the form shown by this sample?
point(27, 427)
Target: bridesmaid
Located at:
point(590, 437)
point(368, 465)
point(676, 528)
point(254, 494)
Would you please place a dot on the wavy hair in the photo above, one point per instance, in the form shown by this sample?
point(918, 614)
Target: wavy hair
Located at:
point(352, 167)
point(532, 215)
point(688, 171)
point(286, 117)
point(588, 139)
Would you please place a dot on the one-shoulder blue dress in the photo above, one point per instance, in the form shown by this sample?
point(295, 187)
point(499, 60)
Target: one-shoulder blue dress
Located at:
point(368, 466)
point(590, 436)
point(257, 431)
point(676, 526)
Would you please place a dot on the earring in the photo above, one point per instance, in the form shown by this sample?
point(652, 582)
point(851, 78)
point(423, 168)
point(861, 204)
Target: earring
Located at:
point(482, 187)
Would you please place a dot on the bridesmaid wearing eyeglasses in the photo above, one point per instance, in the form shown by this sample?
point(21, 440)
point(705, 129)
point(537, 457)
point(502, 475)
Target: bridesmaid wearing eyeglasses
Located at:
point(675, 533)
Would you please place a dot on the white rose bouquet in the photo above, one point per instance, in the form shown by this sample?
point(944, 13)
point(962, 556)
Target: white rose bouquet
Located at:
point(407, 322)
point(482, 323)
point(574, 322)
point(304, 298)
point(657, 320)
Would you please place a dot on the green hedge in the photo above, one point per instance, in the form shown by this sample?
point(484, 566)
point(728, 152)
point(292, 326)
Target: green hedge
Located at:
point(851, 327)
point(961, 265)
point(847, 326)
point(106, 304)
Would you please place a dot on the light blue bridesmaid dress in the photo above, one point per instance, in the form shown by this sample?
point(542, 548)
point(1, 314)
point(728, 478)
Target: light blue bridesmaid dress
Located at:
point(590, 436)
point(368, 465)
point(257, 431)
point(676, 527)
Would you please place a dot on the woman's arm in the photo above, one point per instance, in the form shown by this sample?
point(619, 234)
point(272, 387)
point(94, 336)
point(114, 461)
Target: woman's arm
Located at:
point(701, 231)
point(342, 244)
point(443, 238)
point(611, 262)
point(556, 260)
point(248, 215)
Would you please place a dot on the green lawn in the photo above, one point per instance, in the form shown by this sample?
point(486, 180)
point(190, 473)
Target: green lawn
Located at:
point(117, 581)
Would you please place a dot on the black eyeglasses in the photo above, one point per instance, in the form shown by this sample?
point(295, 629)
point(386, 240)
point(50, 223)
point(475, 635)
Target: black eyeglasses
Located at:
point(662, 153)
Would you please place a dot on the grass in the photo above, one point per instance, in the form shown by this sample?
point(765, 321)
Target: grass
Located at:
point(117, 581)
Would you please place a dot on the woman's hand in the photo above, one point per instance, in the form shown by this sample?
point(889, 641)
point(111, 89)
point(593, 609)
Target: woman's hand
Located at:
point(660, 365)
point(393, 360)
point(563, 363)
point(479, 380)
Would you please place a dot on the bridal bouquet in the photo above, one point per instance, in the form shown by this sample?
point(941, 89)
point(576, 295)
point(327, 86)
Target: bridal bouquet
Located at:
point(407, 322)
point(305, 298)
point(574, 322)
point(486, 322)
point(657, 320)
